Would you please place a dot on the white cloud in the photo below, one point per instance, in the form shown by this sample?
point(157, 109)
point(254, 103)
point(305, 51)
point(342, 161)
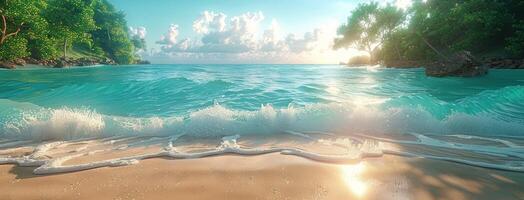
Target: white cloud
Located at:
point(235, 38)
point(139, 32)
point(215, 36)
point(307, 43)
point(210, 22)
point(220, 39)
point(271, 38)
point(169, 39)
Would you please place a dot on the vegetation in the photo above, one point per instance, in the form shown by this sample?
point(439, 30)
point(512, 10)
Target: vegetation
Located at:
point(50, 29)
point(435, 29)
point(369, 26)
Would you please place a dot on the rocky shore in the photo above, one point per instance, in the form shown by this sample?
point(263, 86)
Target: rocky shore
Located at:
point(492, 63)
point(60, 63)
point(462, 64)
point(501, 63)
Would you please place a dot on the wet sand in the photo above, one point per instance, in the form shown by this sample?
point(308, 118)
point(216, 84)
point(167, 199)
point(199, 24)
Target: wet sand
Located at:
point(271, 176)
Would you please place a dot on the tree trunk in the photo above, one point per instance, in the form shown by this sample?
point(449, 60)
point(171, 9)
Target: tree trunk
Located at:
point(65, 48)
point(398, 52)
point(433, 48)
point(4, 34)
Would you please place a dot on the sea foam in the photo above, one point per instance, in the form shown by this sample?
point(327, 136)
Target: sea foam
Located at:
point(65, 123)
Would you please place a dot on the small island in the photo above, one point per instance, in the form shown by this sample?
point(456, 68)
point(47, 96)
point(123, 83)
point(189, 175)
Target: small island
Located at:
point(445, 37)
point(61, 33)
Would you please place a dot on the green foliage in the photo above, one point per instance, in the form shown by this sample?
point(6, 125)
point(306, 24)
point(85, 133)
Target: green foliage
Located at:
point(46, 26)
point(44, 48)
point(516, 43)
point(71, 21)
point(360, 29)
point(26, 15)
point(15, 47)
point(369, 26)
point(20, 11)
point(139, 43)
point(461, 25)
point(111, 34)
point(479, 26)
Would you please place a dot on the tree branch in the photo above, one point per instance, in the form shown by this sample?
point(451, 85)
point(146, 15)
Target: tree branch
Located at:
point(433, 48)
point(5, 35)
point(14, 33)
point(4, 28)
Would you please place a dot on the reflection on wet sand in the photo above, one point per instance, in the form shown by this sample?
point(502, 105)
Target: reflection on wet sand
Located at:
point(352, 177)
point(268, 176)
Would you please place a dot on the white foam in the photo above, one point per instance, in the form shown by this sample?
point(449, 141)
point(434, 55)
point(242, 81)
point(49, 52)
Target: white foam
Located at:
point(228, 145)
point(364, 149)
point(505, 142)
point(481, 149)
point(332, 120)
point(217, 120)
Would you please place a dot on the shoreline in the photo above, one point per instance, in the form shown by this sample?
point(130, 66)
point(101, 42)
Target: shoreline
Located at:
point(269, 176)
point(492, 63)
point(62, 63)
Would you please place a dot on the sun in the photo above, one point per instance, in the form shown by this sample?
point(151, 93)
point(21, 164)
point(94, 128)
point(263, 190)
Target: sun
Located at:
point(403, 4)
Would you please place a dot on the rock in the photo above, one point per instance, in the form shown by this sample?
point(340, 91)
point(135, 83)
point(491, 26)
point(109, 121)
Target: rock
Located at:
point(403, 64)
point(62, 63)
point(32, 61)
point(47, 62)
point(143, 62)
point(462, 64)
point(505, 63)
point(7, 65)
point(107, 61)
point(86, 62)
point(19, 61)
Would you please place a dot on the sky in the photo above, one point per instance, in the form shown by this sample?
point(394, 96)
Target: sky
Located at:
point(239, 31)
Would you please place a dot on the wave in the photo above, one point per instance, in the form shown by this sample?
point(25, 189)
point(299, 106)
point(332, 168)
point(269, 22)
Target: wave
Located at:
point(490, 113)
point(478, 125)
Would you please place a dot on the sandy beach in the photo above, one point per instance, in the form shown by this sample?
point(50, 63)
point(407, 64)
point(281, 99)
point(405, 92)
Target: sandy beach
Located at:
point(270, 176)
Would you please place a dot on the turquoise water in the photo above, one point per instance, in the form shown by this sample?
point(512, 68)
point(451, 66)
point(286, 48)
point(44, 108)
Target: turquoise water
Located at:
point(261, 100)
point(491, 105)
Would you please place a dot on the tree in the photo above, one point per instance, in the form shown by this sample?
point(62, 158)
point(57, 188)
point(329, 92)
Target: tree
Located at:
point(437, 29)
point(516, 42)
point(139, 43)
point(15, 47)
point(71, 21)
point(12, 46)
point(111, 34)
point(369, 26)
point(5, 33)
point(38, 28)
point(22, 19)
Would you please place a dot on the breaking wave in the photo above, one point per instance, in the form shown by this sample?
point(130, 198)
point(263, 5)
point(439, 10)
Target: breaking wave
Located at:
point(492, 113)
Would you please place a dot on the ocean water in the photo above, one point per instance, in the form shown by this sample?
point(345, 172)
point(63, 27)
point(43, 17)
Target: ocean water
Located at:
point(328, 113)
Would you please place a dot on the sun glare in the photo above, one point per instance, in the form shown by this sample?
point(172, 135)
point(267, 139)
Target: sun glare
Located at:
point(403, 4)
point(351, 175)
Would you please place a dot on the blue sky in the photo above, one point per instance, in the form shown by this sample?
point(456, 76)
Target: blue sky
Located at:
point(268, 31)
